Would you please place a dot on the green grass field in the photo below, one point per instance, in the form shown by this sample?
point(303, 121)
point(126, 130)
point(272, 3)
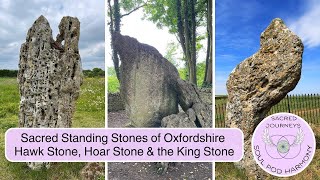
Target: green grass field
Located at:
point(89, 113)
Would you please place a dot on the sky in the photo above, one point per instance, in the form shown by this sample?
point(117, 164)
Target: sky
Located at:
point(239, 25)
point(17, 16)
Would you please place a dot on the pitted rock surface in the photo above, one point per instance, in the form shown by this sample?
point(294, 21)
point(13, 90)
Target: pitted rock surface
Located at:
point(49, 75)
point(261, 81)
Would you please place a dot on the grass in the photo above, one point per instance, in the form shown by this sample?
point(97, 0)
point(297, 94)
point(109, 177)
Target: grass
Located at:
point(90, 107)
point(89, 113)
point(113, 84)
point(228, 171)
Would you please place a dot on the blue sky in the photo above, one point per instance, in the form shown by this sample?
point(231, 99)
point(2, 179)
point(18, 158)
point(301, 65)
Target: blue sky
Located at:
point(240, 23)
point(17, 16)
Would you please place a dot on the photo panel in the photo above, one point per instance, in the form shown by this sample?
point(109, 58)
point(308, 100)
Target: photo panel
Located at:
point(51, 76)
point(159, 66)
point(266, 66)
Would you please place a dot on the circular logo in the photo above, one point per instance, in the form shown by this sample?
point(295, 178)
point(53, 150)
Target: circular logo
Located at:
point(283, 144)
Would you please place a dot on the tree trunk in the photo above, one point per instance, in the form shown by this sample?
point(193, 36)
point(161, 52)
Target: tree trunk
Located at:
point(117, 17)
point(180, 27)
point(115, 20)
point(208, 73)
point(189, 42)
point(193, 61)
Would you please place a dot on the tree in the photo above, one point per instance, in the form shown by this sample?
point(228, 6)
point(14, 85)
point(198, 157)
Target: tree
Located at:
point(95, 72)
point(171, 52)
point(208, 73)
point(182, 19)
point(129, 6)
point(114, 14)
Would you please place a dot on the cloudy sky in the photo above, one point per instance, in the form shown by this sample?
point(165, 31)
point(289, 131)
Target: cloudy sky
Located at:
point(17, 16)
point(240, 23)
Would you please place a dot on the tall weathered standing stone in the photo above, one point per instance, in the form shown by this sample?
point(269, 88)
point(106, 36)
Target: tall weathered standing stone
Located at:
point(152, 89)
point(49, 75)
point(261, 81)
point(146, 82)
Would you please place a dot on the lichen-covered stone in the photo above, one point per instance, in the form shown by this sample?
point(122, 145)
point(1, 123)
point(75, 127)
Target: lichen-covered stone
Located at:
point(49, 75)
point(261, 81)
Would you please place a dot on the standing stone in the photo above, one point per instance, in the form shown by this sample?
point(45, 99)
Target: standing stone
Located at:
point(146, 82)
point(152, 89)
point(49, 76)
point(261, 81)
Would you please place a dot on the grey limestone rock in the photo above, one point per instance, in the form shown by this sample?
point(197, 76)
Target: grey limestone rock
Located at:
point(49, 75)
point(145, 83)
point(261, 81)
point(181, 120)
point(151, 87)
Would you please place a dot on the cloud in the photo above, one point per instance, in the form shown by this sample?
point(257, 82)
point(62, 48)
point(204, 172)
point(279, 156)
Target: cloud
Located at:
point(307, 26)
point(96, 50)
point(17, 16)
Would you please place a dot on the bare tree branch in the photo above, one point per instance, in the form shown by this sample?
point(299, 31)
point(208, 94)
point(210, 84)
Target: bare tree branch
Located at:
point(135, 9)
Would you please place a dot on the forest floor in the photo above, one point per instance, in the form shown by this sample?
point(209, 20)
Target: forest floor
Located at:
point(149, 170)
